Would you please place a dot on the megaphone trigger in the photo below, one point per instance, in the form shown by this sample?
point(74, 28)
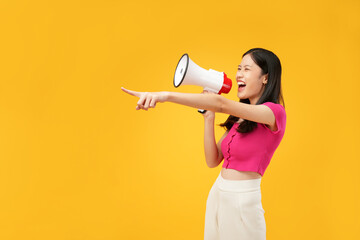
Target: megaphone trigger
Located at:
point(201, 111)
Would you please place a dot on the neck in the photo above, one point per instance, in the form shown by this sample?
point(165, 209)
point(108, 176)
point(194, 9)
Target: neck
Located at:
point(254, 100)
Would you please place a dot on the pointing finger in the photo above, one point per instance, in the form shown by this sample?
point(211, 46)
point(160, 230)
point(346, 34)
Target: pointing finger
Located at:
point(137, 94)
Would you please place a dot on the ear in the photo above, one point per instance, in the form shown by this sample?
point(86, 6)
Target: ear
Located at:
point(265, 80)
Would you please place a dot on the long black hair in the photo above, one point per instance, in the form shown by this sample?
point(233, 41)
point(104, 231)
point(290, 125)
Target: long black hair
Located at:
point(269, 63)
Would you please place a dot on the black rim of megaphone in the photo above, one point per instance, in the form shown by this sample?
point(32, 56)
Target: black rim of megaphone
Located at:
point(187, 65)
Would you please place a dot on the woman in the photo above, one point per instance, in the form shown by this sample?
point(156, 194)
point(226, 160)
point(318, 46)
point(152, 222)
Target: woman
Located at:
point(255, 128)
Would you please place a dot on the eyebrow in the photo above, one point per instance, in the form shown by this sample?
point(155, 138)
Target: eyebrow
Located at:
point(244, 66)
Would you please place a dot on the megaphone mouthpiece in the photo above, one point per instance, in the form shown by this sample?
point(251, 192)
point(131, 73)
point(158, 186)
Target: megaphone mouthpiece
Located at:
point(227, 84)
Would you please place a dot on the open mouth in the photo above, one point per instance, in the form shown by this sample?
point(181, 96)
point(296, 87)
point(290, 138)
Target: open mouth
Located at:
point(241, 85)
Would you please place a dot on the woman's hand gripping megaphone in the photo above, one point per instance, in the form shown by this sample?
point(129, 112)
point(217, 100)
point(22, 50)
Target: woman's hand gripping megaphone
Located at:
point(202, 111)
point(207, 114)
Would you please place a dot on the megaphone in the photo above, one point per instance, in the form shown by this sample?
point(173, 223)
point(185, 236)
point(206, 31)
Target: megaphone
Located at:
point(188, 73)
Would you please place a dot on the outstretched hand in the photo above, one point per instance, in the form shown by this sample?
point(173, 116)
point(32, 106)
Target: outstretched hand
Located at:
point(147, 99)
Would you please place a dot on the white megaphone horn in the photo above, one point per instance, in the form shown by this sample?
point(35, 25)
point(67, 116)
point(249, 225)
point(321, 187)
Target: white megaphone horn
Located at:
point(188, 73)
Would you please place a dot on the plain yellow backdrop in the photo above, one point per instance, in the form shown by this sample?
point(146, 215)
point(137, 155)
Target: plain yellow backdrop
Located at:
point(77, 161)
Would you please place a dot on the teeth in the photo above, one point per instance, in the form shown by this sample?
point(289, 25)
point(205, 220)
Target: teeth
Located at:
point(241, 84)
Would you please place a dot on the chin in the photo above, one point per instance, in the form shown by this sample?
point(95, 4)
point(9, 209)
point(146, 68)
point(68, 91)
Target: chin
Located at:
point(241, 96)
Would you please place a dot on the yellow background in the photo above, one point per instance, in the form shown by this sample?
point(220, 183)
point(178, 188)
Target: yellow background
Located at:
point(77, 161)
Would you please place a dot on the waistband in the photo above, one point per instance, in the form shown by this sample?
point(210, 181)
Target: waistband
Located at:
point(249, 185)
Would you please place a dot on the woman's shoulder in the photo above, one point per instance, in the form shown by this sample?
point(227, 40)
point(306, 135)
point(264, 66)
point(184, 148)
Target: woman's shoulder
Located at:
point(273, 104)
point(275, 107)
point(279, 113)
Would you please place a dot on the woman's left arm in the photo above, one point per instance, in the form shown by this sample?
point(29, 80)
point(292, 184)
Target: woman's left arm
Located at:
point(217, 103)
point(257, 113)
point(211, 102)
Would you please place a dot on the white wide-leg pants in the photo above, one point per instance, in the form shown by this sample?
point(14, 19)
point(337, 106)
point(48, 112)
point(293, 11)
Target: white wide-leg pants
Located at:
point(234, 211)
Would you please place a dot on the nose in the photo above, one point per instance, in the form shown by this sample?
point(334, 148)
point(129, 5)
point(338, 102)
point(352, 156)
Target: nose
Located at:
point(239, 73)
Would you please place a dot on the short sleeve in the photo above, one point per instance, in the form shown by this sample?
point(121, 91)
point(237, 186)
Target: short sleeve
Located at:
point(280, 116)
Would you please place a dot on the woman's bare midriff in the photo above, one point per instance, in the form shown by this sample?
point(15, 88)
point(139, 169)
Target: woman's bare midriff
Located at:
point(232, 174)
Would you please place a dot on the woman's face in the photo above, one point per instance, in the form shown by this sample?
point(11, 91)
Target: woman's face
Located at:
point(250, 74)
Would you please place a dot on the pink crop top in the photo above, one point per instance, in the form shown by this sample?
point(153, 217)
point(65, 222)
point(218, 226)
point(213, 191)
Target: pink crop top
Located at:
point(253, 151)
